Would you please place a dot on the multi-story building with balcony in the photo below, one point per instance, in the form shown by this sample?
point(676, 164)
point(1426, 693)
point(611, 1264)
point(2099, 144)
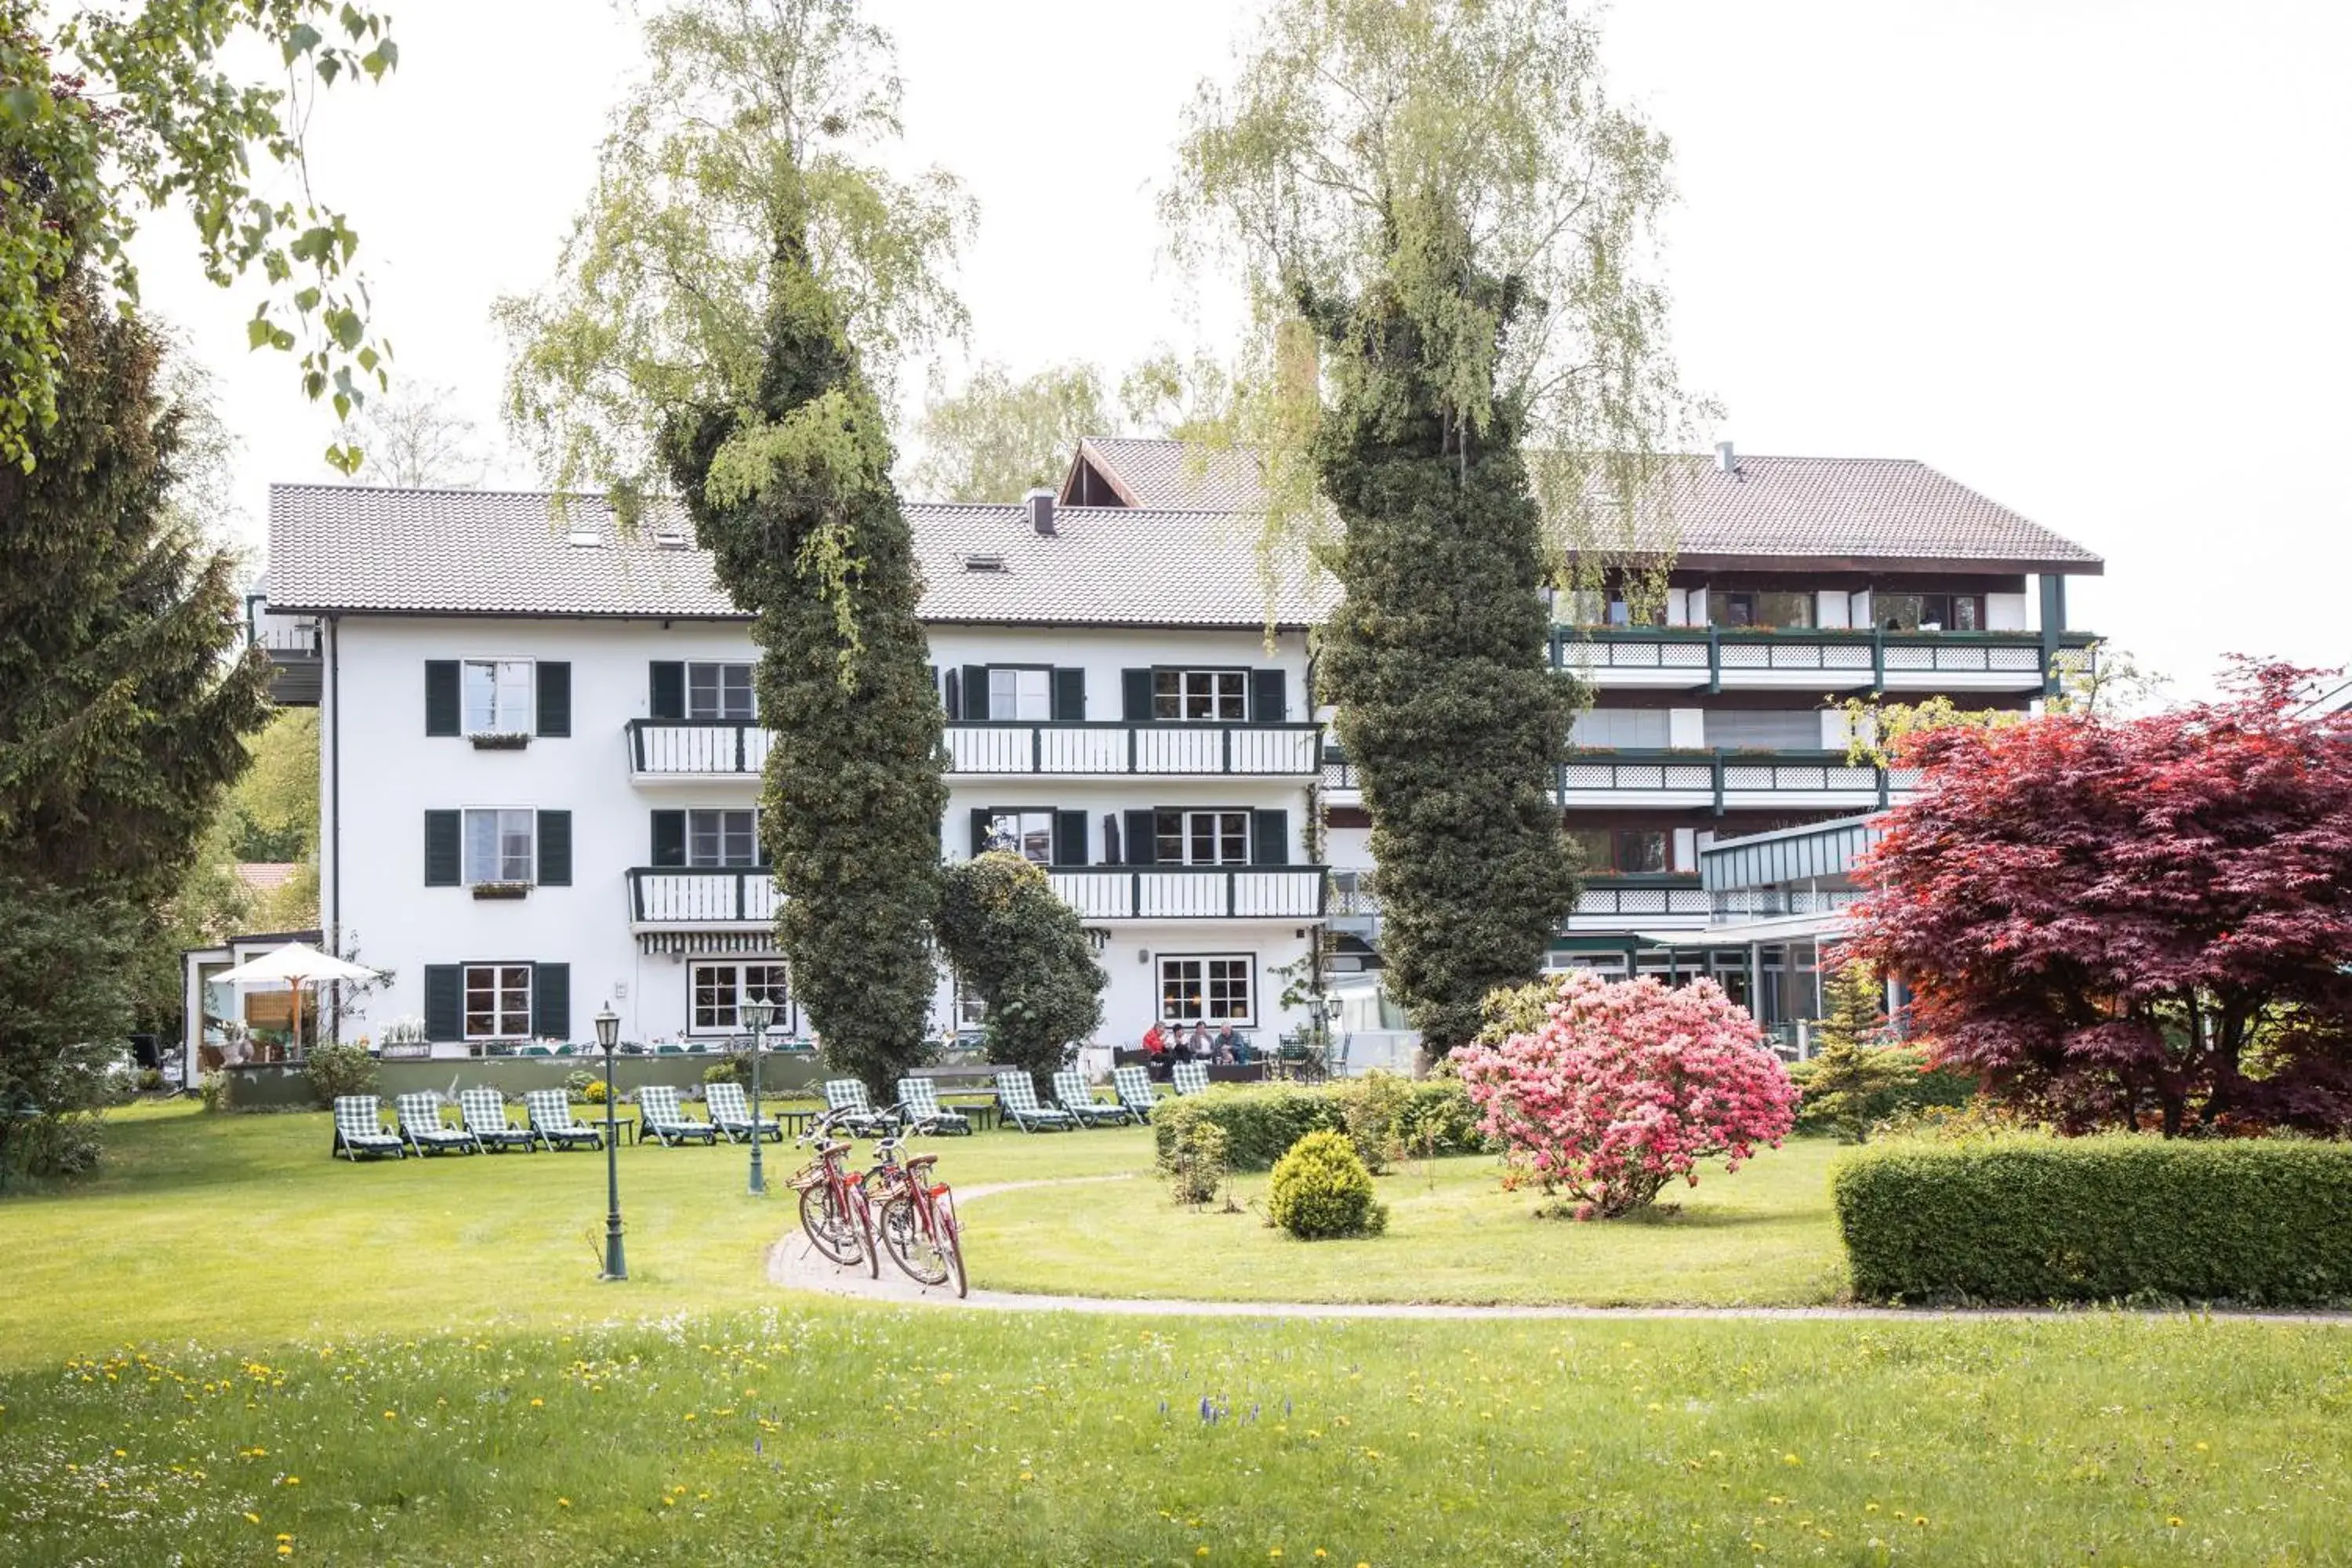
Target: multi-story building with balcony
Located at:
point(541, 755)
point(1795, 584)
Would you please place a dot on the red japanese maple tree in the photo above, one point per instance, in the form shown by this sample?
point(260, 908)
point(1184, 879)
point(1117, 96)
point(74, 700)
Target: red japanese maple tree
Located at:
point(2138, 923)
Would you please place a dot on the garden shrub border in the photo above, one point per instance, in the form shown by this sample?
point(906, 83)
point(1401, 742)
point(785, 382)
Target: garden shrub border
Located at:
point(2122, 1217)
point(1261, 1121)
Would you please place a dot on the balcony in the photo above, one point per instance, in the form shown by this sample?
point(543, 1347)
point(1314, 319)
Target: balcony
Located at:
point(702, 898)
point(1190, 892)
point(1671, 900)
point(1720, 780)
point(291, 645)
point(696, 751)
point(1718, 658)
point(1018, 749)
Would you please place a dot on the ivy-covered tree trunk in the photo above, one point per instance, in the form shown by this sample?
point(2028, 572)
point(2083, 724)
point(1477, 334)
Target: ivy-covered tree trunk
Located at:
point(820, 551)
point(1437, 659)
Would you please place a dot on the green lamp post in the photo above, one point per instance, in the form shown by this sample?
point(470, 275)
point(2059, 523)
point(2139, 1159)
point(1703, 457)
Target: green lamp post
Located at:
point(757, 1014)
point(608, 1040)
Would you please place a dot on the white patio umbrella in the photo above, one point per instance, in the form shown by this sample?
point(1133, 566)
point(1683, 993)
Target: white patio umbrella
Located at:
point(298, 965)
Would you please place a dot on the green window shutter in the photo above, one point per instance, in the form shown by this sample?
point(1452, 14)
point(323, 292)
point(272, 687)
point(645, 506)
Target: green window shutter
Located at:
point(445, 1001)
point(440, 696)
point(670, 839)
point(1269, 697)
point(1270, 837)
point(1142, 838)
point(445, 859)
point(975, 694)
point(955, 696)
point(555, 850)
point(1069, 697)
point(1135, 696)
point(550, 1001)
point(980, 816)
point(1069, 839)
point(555, 678)
point(666, 689)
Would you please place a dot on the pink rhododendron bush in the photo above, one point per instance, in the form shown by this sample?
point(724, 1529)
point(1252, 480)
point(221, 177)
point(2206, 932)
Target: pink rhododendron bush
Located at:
point(1627, 1086)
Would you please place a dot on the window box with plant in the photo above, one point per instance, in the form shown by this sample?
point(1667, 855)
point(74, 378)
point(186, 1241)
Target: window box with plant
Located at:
point(501, 740)
point(502, 890)
point(404, 1038)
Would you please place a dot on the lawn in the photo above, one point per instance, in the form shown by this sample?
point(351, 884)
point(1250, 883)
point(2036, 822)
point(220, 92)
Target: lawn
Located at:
point(1765, 1237)
point(227, 1350)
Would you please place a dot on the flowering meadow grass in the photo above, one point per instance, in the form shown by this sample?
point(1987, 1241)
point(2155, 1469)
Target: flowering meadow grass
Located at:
point(226, 1351)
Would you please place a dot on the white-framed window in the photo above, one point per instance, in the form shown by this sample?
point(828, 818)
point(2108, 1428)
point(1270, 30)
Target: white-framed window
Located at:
point(1026, 694)
point(970, 1012)
point(720, 693)
point(1207, 988)
point(720, 986)
point(498, 1000)
point(497, 694)
point(500, 846)
point(1202, 838)
point(722, 837)
point(1028, 833)
point(1200, 696)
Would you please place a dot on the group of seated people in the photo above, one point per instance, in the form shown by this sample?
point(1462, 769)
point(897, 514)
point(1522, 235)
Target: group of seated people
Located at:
point(1165, 1042)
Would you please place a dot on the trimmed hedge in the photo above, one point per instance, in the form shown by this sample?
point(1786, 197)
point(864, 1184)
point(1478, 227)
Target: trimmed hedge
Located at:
point(1261, 1121)
point(2254, 1222)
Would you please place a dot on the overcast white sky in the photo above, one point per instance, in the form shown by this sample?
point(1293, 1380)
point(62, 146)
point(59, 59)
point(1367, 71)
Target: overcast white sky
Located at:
point(2085, 256)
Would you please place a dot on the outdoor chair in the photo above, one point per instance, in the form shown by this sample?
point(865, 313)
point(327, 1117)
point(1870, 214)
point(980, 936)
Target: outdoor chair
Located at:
point(669, 1050)
point(551, 1121)
point(848, 1094)
point(1135, 1091)
point(421, 1126)
point(1190, 1078)
point(1070, 1088)
point(731, 1113)
point(921, 1098)
point(359, 1130)
point(484, 1114)
point(661, 1116)
point(1016, 1091)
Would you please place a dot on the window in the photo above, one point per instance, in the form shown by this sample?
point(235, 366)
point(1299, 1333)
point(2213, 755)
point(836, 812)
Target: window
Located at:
point(1202, 838)
point(1210, 990)
point(1200, 696)
point(720, 693)
point(970, 1011)
point(1622, 851)
point(1632, 729)
point(499, 846)
point(1755, 607)
point(1020, 694)
point(1764, 728)
point(721, 989)
point(1028, 833)
point(1929, 612)
point(496, 696)
point(722, 837)
point(498, 1000)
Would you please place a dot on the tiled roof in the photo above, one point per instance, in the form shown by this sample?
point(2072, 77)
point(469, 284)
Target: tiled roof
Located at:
point(337, 547)
point(1872, 509)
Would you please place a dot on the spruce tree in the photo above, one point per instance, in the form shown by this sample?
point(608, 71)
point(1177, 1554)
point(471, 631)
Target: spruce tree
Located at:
point(1847, 1082)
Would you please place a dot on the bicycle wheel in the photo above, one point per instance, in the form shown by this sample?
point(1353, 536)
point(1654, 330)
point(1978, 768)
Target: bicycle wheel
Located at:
point(951, 1231)
point(831, 1229)
point(912, 1244)
point(861, 1208)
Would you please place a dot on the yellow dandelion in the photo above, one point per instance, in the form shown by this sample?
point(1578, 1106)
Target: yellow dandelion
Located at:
point(2174, 1522)
point(563, 1502)
point(1791, 1459)
point(392, 1415)
point(537, 1404)
point(293, 1481)
point(669, 1502)
point(283, 1536)
point(252, 1519)
point(285, 1551)
point(120, 1454)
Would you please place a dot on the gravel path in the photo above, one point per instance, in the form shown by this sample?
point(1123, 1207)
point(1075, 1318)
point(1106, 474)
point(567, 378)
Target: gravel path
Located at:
point(795, 1264)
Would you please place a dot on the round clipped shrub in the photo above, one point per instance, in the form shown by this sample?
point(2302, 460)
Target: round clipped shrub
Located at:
point(335, 1070)
point(1321, 1189)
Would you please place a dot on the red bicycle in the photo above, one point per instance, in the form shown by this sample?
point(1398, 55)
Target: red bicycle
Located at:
point(835, 1213)
point(915, 1216)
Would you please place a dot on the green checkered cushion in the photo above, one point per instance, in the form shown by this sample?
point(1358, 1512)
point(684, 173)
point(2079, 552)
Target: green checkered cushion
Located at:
point(922, 1099)
point(847, 1094)
point(420, 1120)
point(551, 1116)
point(359, 1123)
point(657, 1106)
point(1070, 1088)
point(1134, 1086)
point(1191, 1078)
point(485, 1111)
point(730, 1109)
point(1018, 1093)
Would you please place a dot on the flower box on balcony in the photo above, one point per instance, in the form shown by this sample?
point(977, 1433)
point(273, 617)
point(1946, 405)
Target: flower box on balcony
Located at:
point(501, 889)
point(500, 740)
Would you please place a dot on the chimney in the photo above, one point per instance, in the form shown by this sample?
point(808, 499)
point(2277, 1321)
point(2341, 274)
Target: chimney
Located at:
point(1040, 511)
point(1724, 458)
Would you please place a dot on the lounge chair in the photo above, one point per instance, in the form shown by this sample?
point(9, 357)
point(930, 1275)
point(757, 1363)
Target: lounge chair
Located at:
point(1190, 1078)
point(921, 1098)
point(862, 1120)
point(669, 1050)
point(485, 1113)
point(359, 1130)
point(551, 1121)
point(731, 1113)
point(1070, 1088)
point(1135, 1091)
point(1017, 1093)
point(422, 1128)
point(661, 1117)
